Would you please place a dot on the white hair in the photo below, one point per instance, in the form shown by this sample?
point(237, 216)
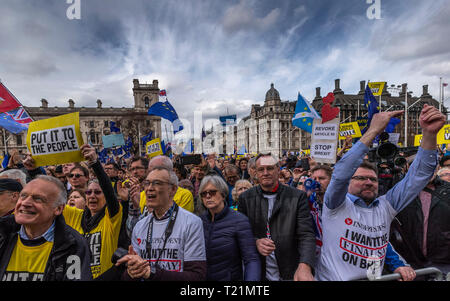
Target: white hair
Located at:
point(15, 174)
point(62, 195)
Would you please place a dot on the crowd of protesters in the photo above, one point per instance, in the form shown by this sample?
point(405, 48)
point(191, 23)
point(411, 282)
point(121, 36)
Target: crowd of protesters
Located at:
point(229, 218)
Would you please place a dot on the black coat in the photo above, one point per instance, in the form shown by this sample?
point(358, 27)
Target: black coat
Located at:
point(407, 230)
point(67, 242)
point(229, 243)
point(290, 225)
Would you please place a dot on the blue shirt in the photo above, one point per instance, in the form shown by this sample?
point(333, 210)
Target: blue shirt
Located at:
point(418, 176)
point(49, 235)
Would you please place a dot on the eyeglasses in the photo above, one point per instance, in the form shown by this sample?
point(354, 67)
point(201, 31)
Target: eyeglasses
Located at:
point(155, 183)
point(444, 175)
point(363, 178)
point(208, 192)
point(76, 175)
point(97, 192)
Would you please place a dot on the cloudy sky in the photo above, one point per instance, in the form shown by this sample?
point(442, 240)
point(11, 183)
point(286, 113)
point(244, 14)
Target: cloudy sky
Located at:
point(213, 55)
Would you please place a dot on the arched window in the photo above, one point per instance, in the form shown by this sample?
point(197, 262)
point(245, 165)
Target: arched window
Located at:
point(147, 102)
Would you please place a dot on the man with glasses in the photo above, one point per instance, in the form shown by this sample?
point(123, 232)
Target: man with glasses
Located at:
point(281, 223)
point(356, 222)
point(36, 244)
point(168, 244)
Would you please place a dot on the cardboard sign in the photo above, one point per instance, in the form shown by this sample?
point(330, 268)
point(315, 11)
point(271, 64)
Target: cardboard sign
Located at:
point(323, 150)
point(393, 138)
point(324, 139)
point(55, 140)
point(377, 88)
point(153, 148)
point(325, 131)
point(350, 128)
point(111, 141)
point(443, 136)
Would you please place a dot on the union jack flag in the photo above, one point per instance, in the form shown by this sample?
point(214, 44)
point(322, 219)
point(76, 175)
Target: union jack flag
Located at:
point(162, 93)
point(20, 115)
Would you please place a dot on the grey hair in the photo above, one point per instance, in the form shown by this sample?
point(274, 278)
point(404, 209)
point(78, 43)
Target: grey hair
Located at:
point(15, 174)
point(252, 163)
point(161, 161)
point(218, 182)
point(173, 178)
point(62, 195)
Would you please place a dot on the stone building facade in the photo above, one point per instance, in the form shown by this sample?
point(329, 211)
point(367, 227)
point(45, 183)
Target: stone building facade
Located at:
point(269, 127)
point(95, 121)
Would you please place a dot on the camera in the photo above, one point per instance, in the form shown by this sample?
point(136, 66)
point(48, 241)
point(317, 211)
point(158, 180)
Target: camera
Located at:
point(311, 184)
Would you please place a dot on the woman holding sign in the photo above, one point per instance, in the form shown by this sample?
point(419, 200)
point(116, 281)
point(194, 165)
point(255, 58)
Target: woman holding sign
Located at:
point(100, 222)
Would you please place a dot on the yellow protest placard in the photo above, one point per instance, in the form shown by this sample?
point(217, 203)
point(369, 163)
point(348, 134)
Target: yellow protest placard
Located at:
point(153, 148)
point(350, 128)
point(417, 140)
point(55, 140)
point(376, 87)
point(443, 136)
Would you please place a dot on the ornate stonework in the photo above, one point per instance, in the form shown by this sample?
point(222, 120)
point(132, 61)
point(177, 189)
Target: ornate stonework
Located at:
point(94, 121)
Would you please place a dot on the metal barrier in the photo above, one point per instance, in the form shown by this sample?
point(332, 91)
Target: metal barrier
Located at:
point(420, 272)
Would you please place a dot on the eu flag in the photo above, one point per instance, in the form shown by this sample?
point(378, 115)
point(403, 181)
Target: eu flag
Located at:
point(146, 138)
point(9, 124)
point(304, 114)
point(166, 111)
point(371, 104)
point(113, 127)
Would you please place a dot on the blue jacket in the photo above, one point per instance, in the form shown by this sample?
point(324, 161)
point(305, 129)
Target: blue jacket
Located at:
point(230, 245)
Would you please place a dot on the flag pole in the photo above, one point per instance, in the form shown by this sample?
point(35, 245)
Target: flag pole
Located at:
point(406, 115)
point(139, 138)
point(440, 94)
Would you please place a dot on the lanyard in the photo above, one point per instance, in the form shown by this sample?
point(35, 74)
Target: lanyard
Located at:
point(167, 232)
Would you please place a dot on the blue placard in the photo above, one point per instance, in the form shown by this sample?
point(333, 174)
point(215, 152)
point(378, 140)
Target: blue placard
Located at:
point(110, 141)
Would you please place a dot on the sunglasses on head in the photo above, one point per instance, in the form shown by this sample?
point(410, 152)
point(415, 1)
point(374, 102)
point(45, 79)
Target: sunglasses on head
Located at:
point(75, 175)
point(97, 192)
point(208, 192)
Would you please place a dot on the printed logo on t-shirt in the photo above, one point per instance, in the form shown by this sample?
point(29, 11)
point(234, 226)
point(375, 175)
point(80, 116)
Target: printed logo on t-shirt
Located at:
point(169, 258)
point(364, 250)
point(22, 276)
point(95, 245)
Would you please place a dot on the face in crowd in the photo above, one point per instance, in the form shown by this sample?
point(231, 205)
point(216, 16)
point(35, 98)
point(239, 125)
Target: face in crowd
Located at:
point(111, 171)
point(77, 199)
point(94, 197)
point(77, 178)
point(213, 194)
point(243, 164)
point(240, 187)
point(199, 172)
point(138, 170)
point(323, 178)
point(232, 176)
point(267, 172)
point(67, 167)
point(38, 204)
point(159, 190)
point(364, 184)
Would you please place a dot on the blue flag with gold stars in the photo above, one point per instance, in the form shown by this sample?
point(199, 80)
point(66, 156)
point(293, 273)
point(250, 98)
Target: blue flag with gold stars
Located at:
point(9, 124)
point(166, 111)
point(371, 104)
point(304, 114)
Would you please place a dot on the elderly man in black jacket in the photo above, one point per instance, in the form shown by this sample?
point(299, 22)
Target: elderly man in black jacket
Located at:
point(281, 221)
point(36, 244)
